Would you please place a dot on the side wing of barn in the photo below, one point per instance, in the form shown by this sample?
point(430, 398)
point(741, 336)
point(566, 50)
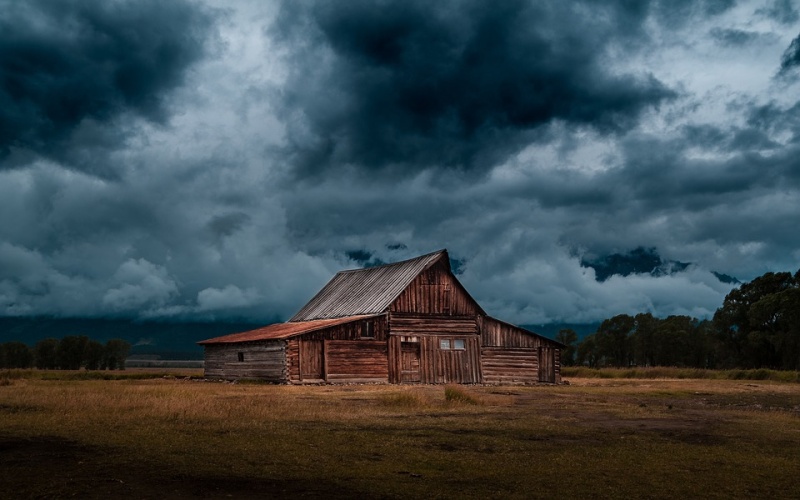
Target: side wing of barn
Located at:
point(510, 354)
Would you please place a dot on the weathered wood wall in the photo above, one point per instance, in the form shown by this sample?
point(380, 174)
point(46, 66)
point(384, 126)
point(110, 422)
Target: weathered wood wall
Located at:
point(510, 354)
point(435, 365)
point(263, 360)
point(501, 365)
point(435, 291)
point(356, 361)
point(340, 354)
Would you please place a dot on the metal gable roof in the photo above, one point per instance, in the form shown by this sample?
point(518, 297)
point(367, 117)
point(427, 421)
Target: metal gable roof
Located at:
point(366, 291)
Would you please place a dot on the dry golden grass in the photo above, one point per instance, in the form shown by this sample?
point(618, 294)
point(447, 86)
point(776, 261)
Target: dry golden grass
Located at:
point(593, 438)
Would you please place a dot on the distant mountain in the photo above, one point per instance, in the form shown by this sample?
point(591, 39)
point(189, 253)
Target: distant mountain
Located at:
point(550, 330)
point(168, 340)
point(641, 261)
point(726, 279)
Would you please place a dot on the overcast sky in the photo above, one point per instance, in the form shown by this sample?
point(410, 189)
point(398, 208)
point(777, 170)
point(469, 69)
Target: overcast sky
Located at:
point(205, 160)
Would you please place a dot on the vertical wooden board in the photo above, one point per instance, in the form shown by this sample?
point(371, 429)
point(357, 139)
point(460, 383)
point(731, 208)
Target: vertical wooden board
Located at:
point(393, 360)
point(311, 360)
point(410, 362)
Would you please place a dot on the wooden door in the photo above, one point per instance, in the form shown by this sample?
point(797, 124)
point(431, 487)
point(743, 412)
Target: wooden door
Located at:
point(312, 360)
point(409, 362)
point(547, 365)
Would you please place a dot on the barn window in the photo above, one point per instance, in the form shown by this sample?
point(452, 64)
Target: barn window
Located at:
point(368, 329)
point(452, 344)
point(241, 357)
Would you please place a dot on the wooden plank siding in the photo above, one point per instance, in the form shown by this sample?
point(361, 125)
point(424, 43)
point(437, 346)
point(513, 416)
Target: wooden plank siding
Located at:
point(352, 361)
point(501, 365)
point(265, 360)
point(435, 365)
point(510, 354)
point(340, 354)
point(435, 291)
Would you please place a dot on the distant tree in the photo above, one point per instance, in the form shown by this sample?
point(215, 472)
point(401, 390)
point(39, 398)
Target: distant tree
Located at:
point(703, 346)
point(569, 338)
point(3, 362)
point(613, 339)
point(755, 325)
point(45, 353)
point(644, 339)
point(671, 340)
point(71, 349)
point(17, 355)
point(115, 353)
point(587, 352)
point(93, 355)
point(774, 337)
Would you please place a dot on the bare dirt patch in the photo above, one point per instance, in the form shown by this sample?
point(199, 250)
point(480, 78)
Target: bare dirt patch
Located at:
point(52, 467)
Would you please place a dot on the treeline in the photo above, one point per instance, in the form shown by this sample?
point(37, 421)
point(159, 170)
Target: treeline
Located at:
point(70, 353)
point(758, 326)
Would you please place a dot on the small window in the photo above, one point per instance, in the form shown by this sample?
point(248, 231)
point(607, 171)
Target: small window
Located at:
point(444, 344)
point(241, 357)
point(459, 344)
point(368, 329)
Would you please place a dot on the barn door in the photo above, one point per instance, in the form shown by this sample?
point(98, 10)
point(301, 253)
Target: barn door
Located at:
point(547, 365)
point(409, 362)
point(312, 360)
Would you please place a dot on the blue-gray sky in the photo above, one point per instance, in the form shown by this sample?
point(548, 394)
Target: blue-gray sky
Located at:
point(211, 160)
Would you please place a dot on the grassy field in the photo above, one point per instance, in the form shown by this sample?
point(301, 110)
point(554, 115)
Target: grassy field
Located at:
point(151, 435)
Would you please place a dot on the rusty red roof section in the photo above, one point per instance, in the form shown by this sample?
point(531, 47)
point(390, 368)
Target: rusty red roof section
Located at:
point(280, 331)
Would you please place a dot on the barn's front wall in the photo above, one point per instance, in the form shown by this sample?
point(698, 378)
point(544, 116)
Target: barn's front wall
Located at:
point(435, 292)
point(265, 360)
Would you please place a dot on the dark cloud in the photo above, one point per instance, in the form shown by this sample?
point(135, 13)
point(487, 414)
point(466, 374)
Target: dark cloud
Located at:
point(404, 86)
point(677, 13)
point(734, 37)
point(69, 67)
point(576, 150)
point(782, 11)
point(791, 58)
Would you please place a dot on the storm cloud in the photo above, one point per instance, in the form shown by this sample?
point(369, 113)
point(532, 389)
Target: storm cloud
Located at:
point(405, 86)
point(201, 160)
point(68, 68)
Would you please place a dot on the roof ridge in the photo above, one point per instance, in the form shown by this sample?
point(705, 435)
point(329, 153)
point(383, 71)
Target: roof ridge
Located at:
point(390, 264)
point(367, 290)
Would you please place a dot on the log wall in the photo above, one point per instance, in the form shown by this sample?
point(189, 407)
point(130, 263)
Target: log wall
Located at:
point(503, 365)
point(354, 361)
point(511, 354)
point(264, 360)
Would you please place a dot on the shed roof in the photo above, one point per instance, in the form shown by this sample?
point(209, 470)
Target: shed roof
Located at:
point(280, 331)
point(366, 291)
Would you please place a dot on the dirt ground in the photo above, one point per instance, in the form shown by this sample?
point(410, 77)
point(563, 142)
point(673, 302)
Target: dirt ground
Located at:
point(49, 467)
point(598, 411)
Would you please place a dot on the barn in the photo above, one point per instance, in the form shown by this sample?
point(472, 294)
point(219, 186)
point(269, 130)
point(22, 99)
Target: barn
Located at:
point(406, 322)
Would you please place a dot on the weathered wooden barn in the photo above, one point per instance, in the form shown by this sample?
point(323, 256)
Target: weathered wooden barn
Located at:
point(407, 322)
